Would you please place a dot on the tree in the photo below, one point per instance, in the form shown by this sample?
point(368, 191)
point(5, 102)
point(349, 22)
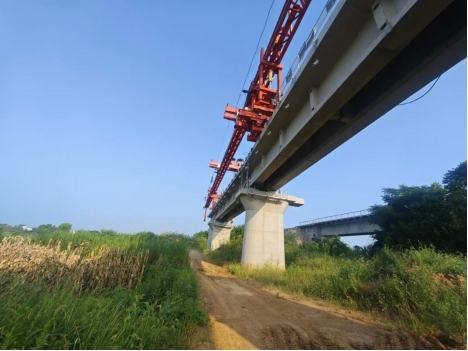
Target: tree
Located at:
point(45, 228)
point(108, 232)
point(424, 215)
point(65, 227)
point(237, 232)
point(291, 237)
point(455, 180)
point(455, 183)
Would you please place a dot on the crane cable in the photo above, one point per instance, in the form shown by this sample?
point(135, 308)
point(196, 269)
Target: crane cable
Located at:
point(247, 75)
point(256, 49)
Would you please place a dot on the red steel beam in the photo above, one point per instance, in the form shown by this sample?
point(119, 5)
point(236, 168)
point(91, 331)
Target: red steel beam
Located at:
point(261, 99)
point(228, 156)
point(290, 17)
point(233, 166)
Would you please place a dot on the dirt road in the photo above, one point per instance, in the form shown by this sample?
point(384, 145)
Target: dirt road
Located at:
point(245, 316)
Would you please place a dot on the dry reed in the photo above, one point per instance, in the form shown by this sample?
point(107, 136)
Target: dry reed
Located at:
point(76, 266)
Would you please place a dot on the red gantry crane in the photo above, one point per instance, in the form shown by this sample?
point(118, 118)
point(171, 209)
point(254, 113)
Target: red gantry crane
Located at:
point(263, 94)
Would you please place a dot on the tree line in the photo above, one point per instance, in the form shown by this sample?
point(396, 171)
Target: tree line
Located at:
point(418, 216)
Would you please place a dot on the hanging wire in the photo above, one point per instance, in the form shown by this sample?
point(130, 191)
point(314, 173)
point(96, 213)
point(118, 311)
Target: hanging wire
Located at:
point(224, 140)
point(410, 102)
point(247, 75)
point(255, 52)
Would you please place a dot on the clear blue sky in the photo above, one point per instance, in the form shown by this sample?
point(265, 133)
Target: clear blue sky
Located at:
point(110, 112)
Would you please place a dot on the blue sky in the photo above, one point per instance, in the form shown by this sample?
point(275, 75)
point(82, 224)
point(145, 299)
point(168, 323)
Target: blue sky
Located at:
point(110, 112)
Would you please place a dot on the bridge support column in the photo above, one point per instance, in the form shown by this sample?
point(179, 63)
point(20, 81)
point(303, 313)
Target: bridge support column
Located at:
point(218, 234)
point(264, 231)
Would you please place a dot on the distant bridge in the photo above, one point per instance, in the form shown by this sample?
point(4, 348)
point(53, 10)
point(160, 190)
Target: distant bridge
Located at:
point(346, 224)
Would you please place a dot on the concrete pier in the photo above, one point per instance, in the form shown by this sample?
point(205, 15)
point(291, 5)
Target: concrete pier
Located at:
point(218, 234)
point(264, 229)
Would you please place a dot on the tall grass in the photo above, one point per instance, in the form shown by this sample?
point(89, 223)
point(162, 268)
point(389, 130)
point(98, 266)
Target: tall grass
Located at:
point(230, 252)
point(200, 240)
point(422, 290)
point(144, 297)
point(72, 266)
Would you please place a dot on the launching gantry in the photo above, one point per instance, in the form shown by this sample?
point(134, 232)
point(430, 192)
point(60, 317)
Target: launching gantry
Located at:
point(263, 95)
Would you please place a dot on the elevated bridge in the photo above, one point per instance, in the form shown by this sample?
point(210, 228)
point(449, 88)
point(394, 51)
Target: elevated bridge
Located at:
point(346, 224)
point(362, 60)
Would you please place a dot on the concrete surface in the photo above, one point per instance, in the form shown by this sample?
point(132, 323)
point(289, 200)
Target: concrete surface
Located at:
point(218, 234)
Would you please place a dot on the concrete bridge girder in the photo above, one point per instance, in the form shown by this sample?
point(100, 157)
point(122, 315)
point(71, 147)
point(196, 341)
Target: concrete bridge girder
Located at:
point(362, 72)
point(344, 227)
point(368, 62)
point(313, 102)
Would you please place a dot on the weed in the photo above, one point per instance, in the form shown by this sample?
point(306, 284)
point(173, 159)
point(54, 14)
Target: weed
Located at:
point(97, 291)
point(422, 290)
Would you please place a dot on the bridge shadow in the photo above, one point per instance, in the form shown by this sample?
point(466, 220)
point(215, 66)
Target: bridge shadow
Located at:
point(245, 316)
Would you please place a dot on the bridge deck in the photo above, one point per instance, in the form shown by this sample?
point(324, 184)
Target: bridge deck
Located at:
point(346, 224)
point(352, 75)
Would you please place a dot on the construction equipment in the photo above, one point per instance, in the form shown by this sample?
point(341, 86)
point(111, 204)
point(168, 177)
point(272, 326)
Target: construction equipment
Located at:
point(264, 92)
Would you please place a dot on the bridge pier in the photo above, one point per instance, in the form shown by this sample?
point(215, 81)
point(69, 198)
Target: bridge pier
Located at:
point(218, 234)
point(264, 231)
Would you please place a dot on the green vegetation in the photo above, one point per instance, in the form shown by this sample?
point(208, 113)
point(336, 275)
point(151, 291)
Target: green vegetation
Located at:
point(232, 251)
point(421, 290)
point(418, 216)
point(200, 240)
point(96, 290)
point(414, 274)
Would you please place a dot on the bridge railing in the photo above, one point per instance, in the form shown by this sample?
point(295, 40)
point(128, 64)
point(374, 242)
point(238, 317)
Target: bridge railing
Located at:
point(310, 42)
point(349, 215)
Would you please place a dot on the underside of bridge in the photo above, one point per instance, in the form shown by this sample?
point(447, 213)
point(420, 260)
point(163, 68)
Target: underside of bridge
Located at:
point(437, 48)
point(362, 64)
point(340, 225)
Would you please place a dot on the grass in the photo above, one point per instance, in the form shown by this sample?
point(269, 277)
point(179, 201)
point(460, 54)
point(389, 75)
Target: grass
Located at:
point(421, 290)
point(200, 240)
point(97, 291)
point(228, 253)
point(76, 266)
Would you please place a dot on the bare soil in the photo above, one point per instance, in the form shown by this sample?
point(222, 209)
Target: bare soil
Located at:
point(243, 315)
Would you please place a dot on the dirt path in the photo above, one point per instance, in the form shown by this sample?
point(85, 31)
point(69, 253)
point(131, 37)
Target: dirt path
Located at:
point(245, 316)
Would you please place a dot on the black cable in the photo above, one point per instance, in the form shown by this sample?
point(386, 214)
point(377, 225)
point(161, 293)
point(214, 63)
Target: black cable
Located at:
point(255, 53)
point(409, 102)
point(247, 75)
point(222, 145)
point(250, 67)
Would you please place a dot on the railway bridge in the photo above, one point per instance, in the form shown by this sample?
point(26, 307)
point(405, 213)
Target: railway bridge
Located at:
point(361, 59)
point(346, 224)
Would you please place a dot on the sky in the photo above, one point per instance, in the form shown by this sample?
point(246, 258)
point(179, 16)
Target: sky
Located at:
point(111, 110)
